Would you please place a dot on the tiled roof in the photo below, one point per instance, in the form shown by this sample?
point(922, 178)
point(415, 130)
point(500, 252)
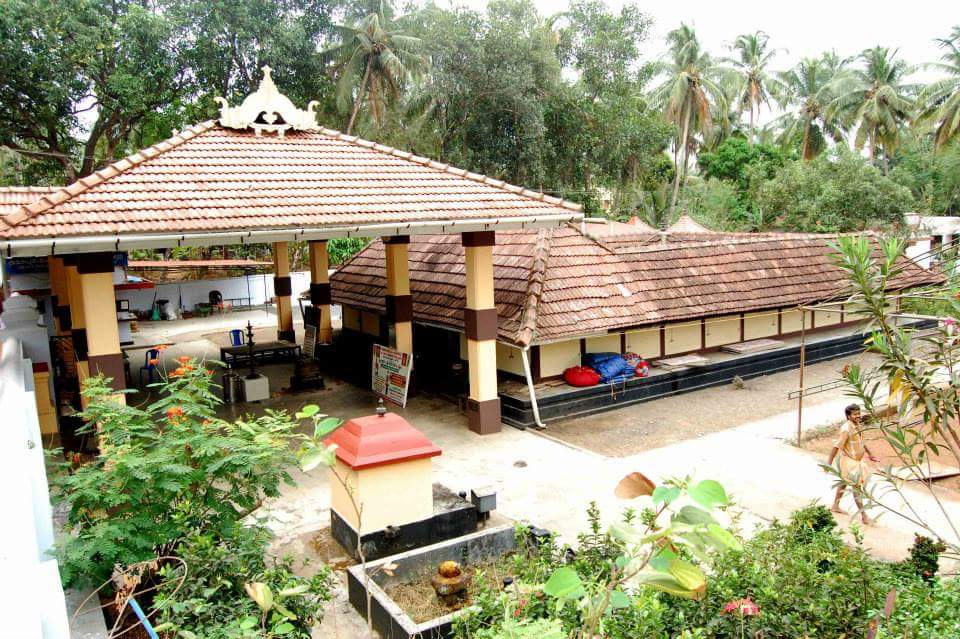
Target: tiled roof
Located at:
point(12, 198)
point(686, 224)
point(209, 179)
point(558, 283)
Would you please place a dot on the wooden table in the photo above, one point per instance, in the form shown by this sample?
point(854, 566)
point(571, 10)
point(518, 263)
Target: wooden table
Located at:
point(235, 355)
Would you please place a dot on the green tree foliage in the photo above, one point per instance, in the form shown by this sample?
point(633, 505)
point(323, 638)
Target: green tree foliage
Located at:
point(85, 82)
point(746, 165)
point(833, 194)
point(942, 97)
point(933, 178)
point(80, 78)
point(374, 62)
point(805, 93)
point(751, 64)
point(691, 88)
point(876, 99)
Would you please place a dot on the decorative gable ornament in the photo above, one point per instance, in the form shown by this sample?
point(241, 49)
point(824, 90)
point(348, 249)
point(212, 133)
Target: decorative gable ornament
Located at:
point(267, 109)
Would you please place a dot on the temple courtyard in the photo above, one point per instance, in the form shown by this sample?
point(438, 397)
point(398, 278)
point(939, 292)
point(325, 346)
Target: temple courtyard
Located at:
point(549, 478)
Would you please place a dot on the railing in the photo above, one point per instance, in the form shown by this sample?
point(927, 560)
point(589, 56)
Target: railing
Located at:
point(31, 596)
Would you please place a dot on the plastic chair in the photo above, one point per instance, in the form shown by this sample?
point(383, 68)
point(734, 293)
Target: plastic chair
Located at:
point(237, 338)
point(150, 361)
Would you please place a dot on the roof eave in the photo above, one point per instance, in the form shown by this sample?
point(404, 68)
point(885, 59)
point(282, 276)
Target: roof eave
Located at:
point(31, 247)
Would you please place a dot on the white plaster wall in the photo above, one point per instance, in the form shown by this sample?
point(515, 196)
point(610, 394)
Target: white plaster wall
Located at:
point(196, 292)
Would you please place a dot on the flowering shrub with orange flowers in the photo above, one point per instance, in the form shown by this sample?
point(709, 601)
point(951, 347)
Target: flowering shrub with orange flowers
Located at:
point(173, 477)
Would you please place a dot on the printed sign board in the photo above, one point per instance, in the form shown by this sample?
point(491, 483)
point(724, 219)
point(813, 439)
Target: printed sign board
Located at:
point(309, 340)
point(391, 374)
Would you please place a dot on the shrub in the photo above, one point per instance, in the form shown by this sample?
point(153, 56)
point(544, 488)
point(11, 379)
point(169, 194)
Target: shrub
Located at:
point(808, 584)
point(174, 480)
point(925, 612)
point(924, 560)
point(811, 520)
point(164, 471)
point(212, 601)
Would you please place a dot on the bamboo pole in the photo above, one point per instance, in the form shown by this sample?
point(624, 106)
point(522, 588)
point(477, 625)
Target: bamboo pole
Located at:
point(803, 362)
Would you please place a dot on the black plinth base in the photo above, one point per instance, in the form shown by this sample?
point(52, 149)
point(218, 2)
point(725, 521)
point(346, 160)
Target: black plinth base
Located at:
point(452, 517)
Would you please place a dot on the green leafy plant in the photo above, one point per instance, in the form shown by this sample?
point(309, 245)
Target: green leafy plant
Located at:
point(924, 557)
point(166, 470)
point(172, 489)
point(226, 588)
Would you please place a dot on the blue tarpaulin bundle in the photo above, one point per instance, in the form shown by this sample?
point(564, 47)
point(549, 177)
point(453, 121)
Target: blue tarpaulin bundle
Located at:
point(611, 367)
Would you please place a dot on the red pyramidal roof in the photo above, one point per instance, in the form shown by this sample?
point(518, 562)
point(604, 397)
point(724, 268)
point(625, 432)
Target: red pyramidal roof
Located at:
point(378, 440)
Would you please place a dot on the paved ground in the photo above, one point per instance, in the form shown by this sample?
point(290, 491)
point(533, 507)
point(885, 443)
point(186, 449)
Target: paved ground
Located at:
point(545, 480)
point(634, 429)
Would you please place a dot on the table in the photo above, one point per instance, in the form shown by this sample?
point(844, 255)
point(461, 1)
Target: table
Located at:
point(235, 355)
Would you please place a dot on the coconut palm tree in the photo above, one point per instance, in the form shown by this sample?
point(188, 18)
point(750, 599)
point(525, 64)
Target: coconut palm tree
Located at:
point(877, 100)
point(374, 61)
point(942, 97)
point(805, 94)
point(691, 87)
point(753, 55)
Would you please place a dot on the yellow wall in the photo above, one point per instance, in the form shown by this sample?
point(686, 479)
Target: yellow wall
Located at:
point(682, 337)
point(391, 495)
point(509, 359)
point(722, 330)
point(558, 357)
point(45, 410)
point(351, 318)
point(826, 318)
point(370, 323)
point(760, 324)
point(645, 343)
point(854, 316)
point(790, 320)
point(604, 344)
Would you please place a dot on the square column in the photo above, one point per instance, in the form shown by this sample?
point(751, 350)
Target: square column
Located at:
point(59, 295)
point(97, 340)
point(320, 290)
point(282, 289)
point(72, 320)
point(398, 302)
point(480, 327)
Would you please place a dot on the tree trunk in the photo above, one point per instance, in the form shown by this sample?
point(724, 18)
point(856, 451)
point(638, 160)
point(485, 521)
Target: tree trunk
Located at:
point(360, 92)
point(685, 115)
point(753, 128)
point(805, 149)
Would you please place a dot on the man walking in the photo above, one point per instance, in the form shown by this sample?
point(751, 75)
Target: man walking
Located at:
point(853, 469)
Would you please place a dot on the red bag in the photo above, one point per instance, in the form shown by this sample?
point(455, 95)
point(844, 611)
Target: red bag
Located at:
point(643, 368)
point(581, 376)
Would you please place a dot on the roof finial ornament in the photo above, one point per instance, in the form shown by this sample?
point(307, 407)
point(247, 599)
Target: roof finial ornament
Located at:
point(266, 109)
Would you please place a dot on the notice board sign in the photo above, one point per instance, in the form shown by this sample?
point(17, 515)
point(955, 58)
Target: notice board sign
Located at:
point(309, 340)
point(391, 374)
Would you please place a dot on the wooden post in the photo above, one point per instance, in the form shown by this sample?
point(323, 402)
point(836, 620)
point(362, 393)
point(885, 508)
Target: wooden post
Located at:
point(320, 290)
point(803, 362)
point(480, 327)
point(398, 302)
point(281, 290)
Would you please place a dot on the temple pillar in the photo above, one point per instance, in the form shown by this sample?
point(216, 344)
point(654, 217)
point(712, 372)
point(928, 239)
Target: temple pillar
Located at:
point(282, 289)
point(398, 302)
point(104, 356)
point(59, 297)
point(72, 320)
point(320, 290)
point(480, 327)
